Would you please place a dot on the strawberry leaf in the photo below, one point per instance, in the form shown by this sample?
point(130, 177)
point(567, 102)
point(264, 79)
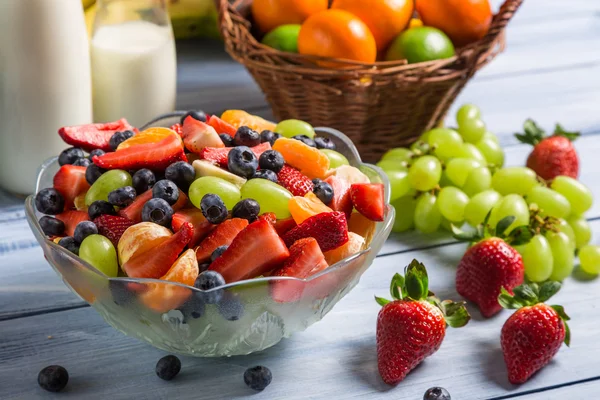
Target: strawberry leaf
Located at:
point(564, 317)
point(464, 236)
point(397, 287)
point(456, 314)
point(381, 301)
point(560, 131)
point(525, 294)
point(416, 280)
point(548, 289)
point(503, 225)
point(520, 235)
point(508, 301)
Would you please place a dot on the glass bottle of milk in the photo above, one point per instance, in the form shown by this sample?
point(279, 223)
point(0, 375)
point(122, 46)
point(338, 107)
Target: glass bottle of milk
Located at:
point(134, 66)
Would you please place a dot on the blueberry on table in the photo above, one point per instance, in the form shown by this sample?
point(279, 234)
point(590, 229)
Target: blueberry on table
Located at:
point(96, 152)
point(157, 211)
point(52, 226)
point(269, 136)
point(49, 201)
point(82, 162)
point(168, 367)
point(197, 115)
point(246, 136)
point(70, 155)
point(208, 280)
point(84, 229)
point(166, 190)
point(272, 160)
point(92, 173)
point(181, 173)
point(217, 253)
point(324, 143)
point(436, 393)
point(213, 208)
point(266, 174)
point(306, 140)
point(118, 138)
point(226, 139)
point(323, 191)
point(246, 209)
point(122, 197)
point(230, 307)
point(242, 161)
point(53, 378)
point(258, 378)
point(143, 180)
point(100, 207)
point(70, 244)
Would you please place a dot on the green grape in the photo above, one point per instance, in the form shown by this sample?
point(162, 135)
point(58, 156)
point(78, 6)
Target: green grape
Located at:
point(479, 179)
point(424, 137)
point(293, 127)
point(447, 225)
point(562, 255)
point(458, 169)
point(491, 136)
point(492, 152)
point(392, 165)
point(480, 205)
point(551, 203)
point(399, 183)
point(427, 214)
point(405, 213)
point(227, 191)
point(472, 130)
point(271, 197)
point(564, 227)
point(101, 254)
point(577, 193)
point(581, 229)
point(511, 205)
point(589, 259)
point(425, 173)
point(537, 259)
point(467, 112)
point(445, 181)
point(519, 180)
point(106, 183)
point(468, 150)
point(335, 159)
point(451, 202)
point(401, 154)
point(420, 145)
point(447, 143)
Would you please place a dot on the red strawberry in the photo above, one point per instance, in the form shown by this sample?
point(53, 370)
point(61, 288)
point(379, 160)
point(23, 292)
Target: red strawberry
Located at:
point(195, 217)
point(330, 229)
point(282, 226)
point(413, 325)
point(221, 126)
point(306, 259)
point(551, 156)
point(70, 182)
point(177, 128)
point(71, 218)
point(197, 135)
point(219, 155)
point(181, 202)
point(222, 235)
point(93, 136)
point(294, 181)
point(534, 333)
point(368, 200)
point(341, 195)
point(269, 217)
point(255, 251)
point(133, 211)
point(112, 227)
point(156, 156)
point(157, 262)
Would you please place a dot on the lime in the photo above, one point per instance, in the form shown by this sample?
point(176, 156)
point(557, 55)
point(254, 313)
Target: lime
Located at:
point(421, 44)
point(284, 38)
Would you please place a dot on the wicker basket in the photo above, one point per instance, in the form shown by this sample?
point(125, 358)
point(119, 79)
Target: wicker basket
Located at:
point(379, 106)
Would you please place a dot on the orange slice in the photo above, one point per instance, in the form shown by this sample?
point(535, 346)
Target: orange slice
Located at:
point(362, 226)
point(310, 161)
point(354, 244)
point(305, 207)
point(150, 135)
point(239, 118)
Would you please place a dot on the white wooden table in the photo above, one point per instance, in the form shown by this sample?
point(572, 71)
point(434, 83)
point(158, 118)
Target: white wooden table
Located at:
point(550, 72)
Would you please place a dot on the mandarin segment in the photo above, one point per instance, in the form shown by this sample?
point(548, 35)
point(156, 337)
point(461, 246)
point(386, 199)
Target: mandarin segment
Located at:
point(150, 135)
point(238, 118)
point(309, 160)
point(354, 244)
point(305, 207)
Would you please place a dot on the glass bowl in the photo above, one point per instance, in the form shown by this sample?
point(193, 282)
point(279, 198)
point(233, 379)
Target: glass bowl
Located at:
point(236, 319)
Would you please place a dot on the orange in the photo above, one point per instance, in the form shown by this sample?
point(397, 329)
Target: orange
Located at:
point(354, 245)
point(269, 14)
point(337, 34)
point(464, 21)
point(415, 23)
point(305, 207)
point(239, 118)
point(362, 226)
point(385, 18)
point(150, 135)
point(310, 161)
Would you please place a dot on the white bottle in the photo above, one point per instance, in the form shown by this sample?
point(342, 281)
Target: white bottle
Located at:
point(45, 84)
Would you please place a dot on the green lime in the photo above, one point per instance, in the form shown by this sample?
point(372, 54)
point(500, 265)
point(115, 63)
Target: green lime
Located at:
point(284, 38)
point(421, 44)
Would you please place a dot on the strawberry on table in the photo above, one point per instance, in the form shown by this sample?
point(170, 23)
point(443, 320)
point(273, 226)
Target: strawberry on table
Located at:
point(70, 182)
point(198, 135)
point(412, 326)
point(93, 136)
point(368, 200)
point(330, 229)
point(294, 181)
point(222, 235)
point(112, 227)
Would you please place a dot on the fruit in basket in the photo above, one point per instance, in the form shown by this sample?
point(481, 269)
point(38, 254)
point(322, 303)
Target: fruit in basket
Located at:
point(464, 21)
point(337, 34)
point(283, 38)
point(420, 45)
point(385, 18)
point(269, 14)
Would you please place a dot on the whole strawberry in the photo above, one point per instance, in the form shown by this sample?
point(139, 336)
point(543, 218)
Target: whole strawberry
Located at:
point(535, 332)
point(413, 325)
point(551, 156)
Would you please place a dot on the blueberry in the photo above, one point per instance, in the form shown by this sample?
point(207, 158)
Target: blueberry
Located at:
point(242, 161)
point(272, 160)
point(266, 174)
point(53, 378)
point(157, 211)
point(119, 137)
point(92, 173)
point(230, 307)
point(436, 393)
point(84, 229)
point(227, 139)
point(70, 155)
point(208, 280)
point(181, 173)
point(324, 191)
point(168, 367)
point(213, 208)
point(194, 307)
point(52, 226)
point(246, 137)
point(96, 152)
point(166, 190)
point(49, 201)
point(305, 139)
point(100, 207)
point(70, 244)
point(269, 136)
point(246, 209)
point(143, 180)
point(197, 115)
point(258, 378)
point(324, 143)
point(122, 197)
point(217, 253)
point(82, 162)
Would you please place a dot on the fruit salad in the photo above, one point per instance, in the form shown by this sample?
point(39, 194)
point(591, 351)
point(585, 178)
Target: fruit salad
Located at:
point(210, 201)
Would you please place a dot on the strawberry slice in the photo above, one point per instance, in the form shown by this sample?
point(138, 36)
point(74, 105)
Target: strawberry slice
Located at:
point(269, 217)
point(181, 202)
point(155, 156)
point(341, 195)
point(197, 136)
point(221, 126)
point(70, 182)
point(112, 227)
point(330, 229)
point(254, 251)
point(195, 217)
point(294, 181)
point(71, 218)
point(133, 211)
point(367, 198)
point(93, 136)
point(219, 155)
point(282, 226)
point(157, 262)
point(222, 235)
point(306, 259)
point(177, 128)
